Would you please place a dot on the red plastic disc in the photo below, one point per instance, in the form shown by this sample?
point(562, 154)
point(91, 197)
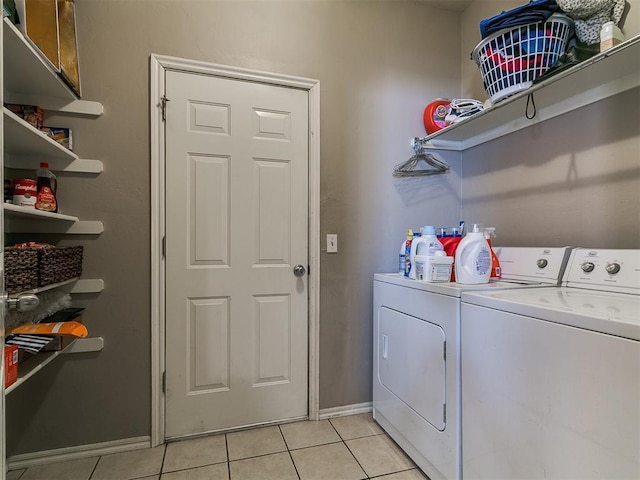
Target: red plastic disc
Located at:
point(434, 115)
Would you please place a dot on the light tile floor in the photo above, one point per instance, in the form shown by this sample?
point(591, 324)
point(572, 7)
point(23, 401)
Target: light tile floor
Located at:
point(342, 448)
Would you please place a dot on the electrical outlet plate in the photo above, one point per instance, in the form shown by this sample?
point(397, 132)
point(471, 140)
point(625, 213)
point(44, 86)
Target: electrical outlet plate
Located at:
point(332, 243)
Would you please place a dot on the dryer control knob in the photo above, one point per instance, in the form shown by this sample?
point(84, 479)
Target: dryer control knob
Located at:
point(542, 262)
point(612, 268)
point(587, 267)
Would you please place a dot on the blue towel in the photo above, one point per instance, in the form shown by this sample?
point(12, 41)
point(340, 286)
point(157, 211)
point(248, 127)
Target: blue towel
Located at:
point(536, 11)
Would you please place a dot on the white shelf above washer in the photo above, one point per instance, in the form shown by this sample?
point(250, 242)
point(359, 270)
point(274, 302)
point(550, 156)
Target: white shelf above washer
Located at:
point(606, 74)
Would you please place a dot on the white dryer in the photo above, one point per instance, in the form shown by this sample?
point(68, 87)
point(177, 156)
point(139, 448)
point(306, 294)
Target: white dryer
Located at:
point(416, 364)
point(551, 378)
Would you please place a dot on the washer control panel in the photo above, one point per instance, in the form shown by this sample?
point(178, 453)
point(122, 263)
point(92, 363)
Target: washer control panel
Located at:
point(532, 264)
point(604, 269)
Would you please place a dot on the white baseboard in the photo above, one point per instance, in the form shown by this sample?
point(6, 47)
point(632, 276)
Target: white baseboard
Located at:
point(26, 460)
point(74, 453)
point(344, 410)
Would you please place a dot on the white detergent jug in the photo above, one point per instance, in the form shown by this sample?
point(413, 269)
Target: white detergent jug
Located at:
point(473, 258)
point(426, 245)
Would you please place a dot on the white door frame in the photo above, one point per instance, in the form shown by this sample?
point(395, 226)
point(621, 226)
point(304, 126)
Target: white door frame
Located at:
point(159, 65)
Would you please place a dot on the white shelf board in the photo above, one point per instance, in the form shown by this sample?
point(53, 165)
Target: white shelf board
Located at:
point(45, 288)
point(87, 285)
point(81, 227)
point(73, 285)
point(79, 165)
point(30, 79)
point(14, 211)
point(606, 74)
point(21, 138)
point(34, 364)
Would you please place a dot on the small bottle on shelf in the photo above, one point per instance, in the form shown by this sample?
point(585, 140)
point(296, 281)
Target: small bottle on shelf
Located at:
point(47, 187)
point(610, 36)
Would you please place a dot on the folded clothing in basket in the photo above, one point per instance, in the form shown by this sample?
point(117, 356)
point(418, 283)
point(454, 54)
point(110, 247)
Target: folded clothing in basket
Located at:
point(536, 11)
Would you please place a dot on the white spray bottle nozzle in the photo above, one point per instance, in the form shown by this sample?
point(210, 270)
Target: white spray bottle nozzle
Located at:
point(490, 232)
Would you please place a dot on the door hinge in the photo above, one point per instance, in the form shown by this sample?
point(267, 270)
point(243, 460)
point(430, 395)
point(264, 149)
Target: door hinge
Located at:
point(445, 351)
point(164, 247)
point(164, 382)
point(444, 413)
point(308, 270)
point(163, 106)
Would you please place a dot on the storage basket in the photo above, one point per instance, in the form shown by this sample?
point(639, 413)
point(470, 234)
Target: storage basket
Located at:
point(20, 269)
point(511, 59)
point(29, 267)
point(59, 264)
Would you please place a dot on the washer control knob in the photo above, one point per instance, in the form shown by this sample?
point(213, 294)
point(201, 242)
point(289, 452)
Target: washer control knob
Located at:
point(612, 268)
point(587, 267)
point(542, 262)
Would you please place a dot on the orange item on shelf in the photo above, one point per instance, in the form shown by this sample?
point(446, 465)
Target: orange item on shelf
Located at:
point(75, 329)
point(434, 115)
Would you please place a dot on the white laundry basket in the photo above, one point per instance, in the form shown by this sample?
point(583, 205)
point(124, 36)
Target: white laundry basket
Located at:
point(511, 59)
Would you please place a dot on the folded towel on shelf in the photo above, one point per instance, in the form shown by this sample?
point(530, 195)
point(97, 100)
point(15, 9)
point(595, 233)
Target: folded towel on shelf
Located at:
point(590, 15)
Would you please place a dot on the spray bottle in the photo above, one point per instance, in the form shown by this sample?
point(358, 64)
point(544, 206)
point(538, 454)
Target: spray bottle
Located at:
point(496, 271)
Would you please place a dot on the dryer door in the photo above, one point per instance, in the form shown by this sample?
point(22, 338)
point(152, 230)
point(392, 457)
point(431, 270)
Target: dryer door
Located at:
point(411, 363)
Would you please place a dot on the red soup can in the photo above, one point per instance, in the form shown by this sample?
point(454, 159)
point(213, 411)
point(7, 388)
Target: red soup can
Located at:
point(25, 192)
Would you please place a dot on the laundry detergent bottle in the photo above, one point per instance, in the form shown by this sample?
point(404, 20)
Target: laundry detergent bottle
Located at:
point(427, 244)
point(473, 257)
point(405, 251)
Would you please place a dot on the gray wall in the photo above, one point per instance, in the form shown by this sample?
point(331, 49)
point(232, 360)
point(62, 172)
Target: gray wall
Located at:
point(379, 64)
point(573, 180)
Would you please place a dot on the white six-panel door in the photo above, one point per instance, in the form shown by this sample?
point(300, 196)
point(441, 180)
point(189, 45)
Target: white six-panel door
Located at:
point(236, 194)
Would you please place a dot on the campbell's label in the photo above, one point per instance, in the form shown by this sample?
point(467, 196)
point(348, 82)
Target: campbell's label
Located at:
point(25, 192)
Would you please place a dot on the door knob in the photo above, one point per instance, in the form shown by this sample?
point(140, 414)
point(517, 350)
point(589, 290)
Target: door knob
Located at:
point(299, 270)
point(23, 303)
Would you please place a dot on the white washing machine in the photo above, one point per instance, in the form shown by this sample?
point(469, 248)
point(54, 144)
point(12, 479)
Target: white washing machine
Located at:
point(416, 364)
point(551, 377)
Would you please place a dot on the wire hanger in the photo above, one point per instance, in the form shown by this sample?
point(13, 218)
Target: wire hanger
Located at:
point(413, 167)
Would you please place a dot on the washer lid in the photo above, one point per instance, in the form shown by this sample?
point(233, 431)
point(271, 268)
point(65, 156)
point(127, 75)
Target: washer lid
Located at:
point(605, 312)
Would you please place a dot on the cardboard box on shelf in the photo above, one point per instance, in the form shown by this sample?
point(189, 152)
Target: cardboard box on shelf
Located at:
point(69, 65)
point(62, 135)
point(39, 23)
point(10, 365)
point(31, 114)
point(58, 343)
point(50, 25)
